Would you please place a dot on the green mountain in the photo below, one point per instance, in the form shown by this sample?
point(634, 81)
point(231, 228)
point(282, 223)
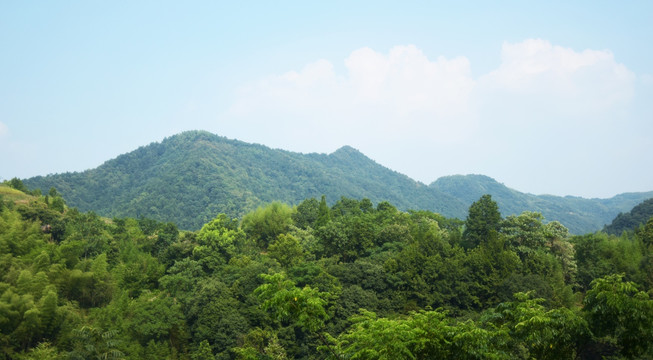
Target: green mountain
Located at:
point(578, 214)
point(631, 220)
point(190, 177)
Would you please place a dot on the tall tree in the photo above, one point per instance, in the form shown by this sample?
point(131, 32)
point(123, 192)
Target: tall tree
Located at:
point(482, 222)
point(323, 213)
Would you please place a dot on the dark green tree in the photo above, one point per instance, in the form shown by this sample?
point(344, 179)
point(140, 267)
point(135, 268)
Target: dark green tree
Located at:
point(618, 313)
point(306, 213)
point(482, 222)
point(17, 184)
point(323, 214)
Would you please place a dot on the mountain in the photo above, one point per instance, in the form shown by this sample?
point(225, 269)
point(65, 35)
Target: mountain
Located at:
point(578, 214)
point(631, 220)
point(190, 177)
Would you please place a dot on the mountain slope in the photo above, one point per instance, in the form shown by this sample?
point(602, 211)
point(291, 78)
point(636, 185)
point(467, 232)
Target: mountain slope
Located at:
point(631, 220)
point(580, 215)
point(191, 177)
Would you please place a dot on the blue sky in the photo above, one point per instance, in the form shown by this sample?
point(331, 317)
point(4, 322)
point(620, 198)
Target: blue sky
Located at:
point(547, 97)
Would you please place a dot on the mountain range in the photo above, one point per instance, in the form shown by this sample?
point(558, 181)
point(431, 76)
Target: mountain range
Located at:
point(191, 177)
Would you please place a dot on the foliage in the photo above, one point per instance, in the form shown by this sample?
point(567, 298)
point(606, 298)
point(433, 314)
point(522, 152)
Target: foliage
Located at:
point(361, 283)
point(190, 177)
point(579, 215)
point(631, 220)
point(482, 223)
point(266, 223)
point(618, 310)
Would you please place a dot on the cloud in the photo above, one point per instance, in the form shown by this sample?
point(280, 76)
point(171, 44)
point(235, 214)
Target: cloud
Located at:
point(381, 96)
point(538, 77)
point(544, 110)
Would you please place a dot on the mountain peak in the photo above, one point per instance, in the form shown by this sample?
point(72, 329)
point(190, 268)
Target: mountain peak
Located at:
point(347, 150)
point(190, 177)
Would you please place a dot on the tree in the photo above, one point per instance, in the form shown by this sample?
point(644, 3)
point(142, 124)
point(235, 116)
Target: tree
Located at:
point(304, 307)
point(537, 333)
point(482, 222)
point(212, 314)
point(264, 224)
point(93, 343)
point(156, 317)
point(645, 233)
point(323, 214)
point(53, 192)
point(617, 311)
point(525, 230)
point(348, 237)
point(218, 241)
point(306, 213)
point(17, 184)
point(203, 352)
point(287, 250)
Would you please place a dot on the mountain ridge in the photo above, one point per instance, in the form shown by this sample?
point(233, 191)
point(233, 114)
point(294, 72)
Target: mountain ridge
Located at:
point(190, 177)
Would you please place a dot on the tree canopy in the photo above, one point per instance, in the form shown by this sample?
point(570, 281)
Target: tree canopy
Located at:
point(368, 281)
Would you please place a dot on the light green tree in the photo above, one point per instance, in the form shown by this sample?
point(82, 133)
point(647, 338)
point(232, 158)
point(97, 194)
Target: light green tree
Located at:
point(264, 224)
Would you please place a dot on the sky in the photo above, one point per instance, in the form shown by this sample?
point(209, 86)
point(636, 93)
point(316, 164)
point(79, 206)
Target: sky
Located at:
point(550, 97)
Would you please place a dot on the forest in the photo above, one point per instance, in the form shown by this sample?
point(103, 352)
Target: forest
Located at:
point(351, 280)
point(189, 178)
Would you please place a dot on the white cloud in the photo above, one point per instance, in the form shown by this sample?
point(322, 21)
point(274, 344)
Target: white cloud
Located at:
point(544, 110)
point(557, 80)
point(381, 96)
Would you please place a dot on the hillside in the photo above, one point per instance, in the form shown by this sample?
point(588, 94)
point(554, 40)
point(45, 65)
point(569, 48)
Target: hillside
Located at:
point(190, 177)
point(580, 215)
point(632, 219)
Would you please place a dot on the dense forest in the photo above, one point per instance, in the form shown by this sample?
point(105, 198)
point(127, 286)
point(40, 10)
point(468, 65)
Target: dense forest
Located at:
point(632, 219)
point(190, 177)
point(351, 280)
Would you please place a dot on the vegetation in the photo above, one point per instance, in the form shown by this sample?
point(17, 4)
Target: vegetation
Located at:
point(354, 280)
point(579, 215)
point(190, 177)
point(631, 220)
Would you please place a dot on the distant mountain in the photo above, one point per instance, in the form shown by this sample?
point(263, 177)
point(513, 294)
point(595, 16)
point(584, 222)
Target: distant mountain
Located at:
point(631, 220)
point(190, 177)
point(578, 214)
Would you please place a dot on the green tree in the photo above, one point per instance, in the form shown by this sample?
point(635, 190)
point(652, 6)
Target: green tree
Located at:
point(323, 214)
point(157, 317)
point(618, 312)
point(218, 241)
point(17, 184)
point(645, 232)
point(93, 343)
point(203, 352)
point(537, 333)
point(212, 313)
point(348, 237)
point(306, 213)
point(266, 223)
point(482, 222)
point(304, 307)
point(287, 250)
